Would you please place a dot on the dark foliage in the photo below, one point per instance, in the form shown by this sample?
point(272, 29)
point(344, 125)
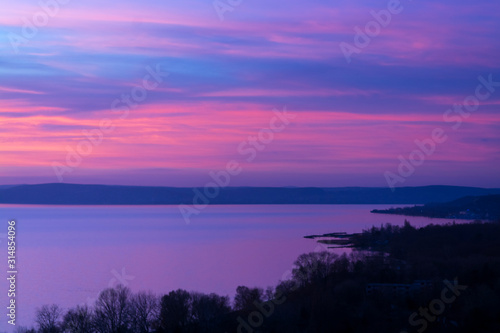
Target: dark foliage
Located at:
point(485, 207)
point(432, 279)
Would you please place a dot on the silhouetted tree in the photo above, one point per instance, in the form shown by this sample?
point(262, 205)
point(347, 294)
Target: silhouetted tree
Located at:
point(397, 272)
point(175, 313)
point(269, 294)
point(24, 329)
point(112, 310)
point(208, 311)
point(286, 287)
point(144, 311)
point(79, 320)
point(48, 318)
point(312, 267)
point(245, 297)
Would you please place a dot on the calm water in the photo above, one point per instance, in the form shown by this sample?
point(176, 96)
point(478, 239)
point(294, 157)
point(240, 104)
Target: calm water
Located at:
point(67, 254)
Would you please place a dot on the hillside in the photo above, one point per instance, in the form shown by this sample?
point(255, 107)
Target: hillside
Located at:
point(75, 194)
point(471, 207)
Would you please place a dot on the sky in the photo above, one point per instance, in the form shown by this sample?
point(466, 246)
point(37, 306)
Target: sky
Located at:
point(296, 93)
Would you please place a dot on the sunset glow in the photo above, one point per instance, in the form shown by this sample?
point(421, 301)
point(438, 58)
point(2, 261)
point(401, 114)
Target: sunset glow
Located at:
point(199, 86)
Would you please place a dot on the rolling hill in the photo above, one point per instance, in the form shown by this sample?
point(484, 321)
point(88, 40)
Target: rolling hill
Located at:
point(77, 194)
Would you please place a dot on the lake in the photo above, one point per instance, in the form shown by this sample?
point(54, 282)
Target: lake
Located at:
point(68, 254)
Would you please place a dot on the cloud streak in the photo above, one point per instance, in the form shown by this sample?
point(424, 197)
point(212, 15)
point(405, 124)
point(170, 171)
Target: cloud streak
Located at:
point(227, 75)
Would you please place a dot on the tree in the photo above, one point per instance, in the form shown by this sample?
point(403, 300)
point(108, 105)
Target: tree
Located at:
point(285, 287)
point(209, 310)
point(24, 329)
point(144, 311)
point(79, 320)
point(48, 318)
point(112, 310)
point(313, 267)
point(269, 294)
point(175, 313)
point(246, 297)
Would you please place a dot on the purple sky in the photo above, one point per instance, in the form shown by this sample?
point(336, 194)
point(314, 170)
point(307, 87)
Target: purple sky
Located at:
point(356, 104)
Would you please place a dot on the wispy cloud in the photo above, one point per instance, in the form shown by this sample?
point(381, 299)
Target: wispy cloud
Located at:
point(227, 75)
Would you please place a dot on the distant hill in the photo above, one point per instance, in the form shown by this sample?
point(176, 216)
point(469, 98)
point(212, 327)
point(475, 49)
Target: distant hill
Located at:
point(75, 194)
point(471, 207)
point(7, 186)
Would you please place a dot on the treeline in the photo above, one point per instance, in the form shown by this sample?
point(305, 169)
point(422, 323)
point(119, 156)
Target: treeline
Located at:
point(434, 244)
point(118, 310)
point(485, 207)
point(432, 279)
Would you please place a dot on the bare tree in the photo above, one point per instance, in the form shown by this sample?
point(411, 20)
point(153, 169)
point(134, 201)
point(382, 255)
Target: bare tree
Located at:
point(112, 310)
point(48, 318)
point(144, 311)
point(79, 320)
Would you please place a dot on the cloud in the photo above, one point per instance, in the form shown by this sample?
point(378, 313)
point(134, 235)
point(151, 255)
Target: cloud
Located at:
point(227, 76)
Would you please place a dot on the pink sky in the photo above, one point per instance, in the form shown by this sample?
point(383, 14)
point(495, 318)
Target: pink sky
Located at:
point(352, 120)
